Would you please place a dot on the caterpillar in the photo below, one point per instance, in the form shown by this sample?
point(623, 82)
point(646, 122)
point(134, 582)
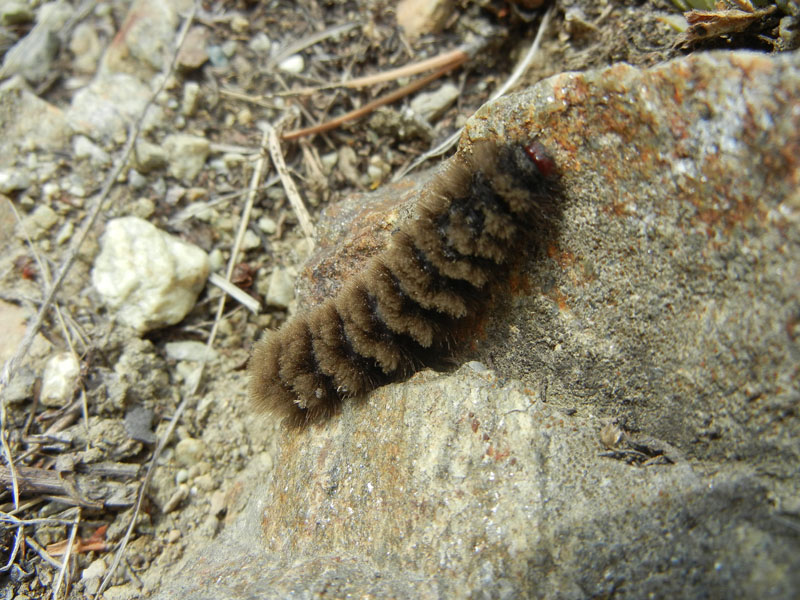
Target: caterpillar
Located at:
point(410, 306)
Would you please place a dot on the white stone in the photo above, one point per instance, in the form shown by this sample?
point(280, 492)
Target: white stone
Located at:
point(96, 568)
point(189, 350)
point(39, 222)
point(191, 95)
point(260, 43)
point(86, 148)
point(293, 64)
point(267, 225)
point(60, 377)
point(281, 288)
point(188, 451)
point(12, 180)
point(250, 240)
point(150, 278)
point(186, 154)
point(431, 105)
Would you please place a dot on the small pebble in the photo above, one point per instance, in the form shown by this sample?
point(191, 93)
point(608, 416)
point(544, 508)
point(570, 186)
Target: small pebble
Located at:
point(267, 225)
point(96, 568)
point(60, 377)
point(281, 288)
point(189, 350)
point(205, 482)
point(173, 536)
point(251, 240)
point(182, 476)
point(293, 64)
point(260, 43)
point(191, 95)
point(178, 496)
point(188, 451)
point(239, 24)
point(12, 180)
point(217, 503)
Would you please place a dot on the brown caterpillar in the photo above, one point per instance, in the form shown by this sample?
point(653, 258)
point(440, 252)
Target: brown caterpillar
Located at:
point(411, 304)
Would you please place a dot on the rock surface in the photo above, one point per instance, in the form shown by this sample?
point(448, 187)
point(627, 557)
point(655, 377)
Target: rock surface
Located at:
point(150, 278)
point(669, 305)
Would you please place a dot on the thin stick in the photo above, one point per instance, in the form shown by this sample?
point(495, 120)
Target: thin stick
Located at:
point(42, 552)
point(512, 79)
point(457, 56)
point(371, 106)
point(67, 555)
point(236, 293)
point(310, 41)
point(291, 190)
point(182, 406)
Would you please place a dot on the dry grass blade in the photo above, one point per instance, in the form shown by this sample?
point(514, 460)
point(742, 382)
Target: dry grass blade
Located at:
point(377, 103)
point(176, 417)
point(456, 57)
point(312, 39)
point(67, 556)
point(275, 152)
point(507, 85)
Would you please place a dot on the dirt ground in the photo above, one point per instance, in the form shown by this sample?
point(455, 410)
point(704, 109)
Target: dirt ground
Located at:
point(85, 461)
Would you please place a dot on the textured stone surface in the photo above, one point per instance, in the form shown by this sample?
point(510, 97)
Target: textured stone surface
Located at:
point(150, 278)
point(669, 303)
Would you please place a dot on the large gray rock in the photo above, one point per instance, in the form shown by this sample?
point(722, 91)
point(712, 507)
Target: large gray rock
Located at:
point(668, 304)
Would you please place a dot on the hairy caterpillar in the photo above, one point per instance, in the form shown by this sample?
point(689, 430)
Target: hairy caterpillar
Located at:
point(410, 306)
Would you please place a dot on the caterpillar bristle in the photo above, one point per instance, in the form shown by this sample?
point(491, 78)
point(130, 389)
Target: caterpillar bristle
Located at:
point(409, 307)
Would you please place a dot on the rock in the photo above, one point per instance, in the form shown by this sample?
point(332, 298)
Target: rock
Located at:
point(149, 278)
point(28, 122)
point(189, 350)
point(13, 12)
point(191, 95)
point(12, 180)
point(13, 324)
point(418, 17)
point(97, 568)
point(173, 536)
point(38, 223)
point(260, 43)
point(127, 591)
point(240, 24)
point(143, 43)
point(104, 108)
point(188, 451)
point(668, 303)
point(293, 64)
point(86, 148)
point(267, 225)
point(187, 154)
point(59, 380)
point(149, 157)
point(85, 46)
point(179, 495)
point(32, 56)
point(431, 105)
point(138, 424)
point(205, 482)
point(280, 292)
point(250, 241)
point(218, 503)
point(193, 51)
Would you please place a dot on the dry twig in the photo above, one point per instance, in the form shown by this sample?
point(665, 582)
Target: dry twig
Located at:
point(509, 83)
point(377, 103)
point(295, 200)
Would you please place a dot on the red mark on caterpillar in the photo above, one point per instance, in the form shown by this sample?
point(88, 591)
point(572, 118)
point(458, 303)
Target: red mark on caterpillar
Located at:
point(543, 161)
